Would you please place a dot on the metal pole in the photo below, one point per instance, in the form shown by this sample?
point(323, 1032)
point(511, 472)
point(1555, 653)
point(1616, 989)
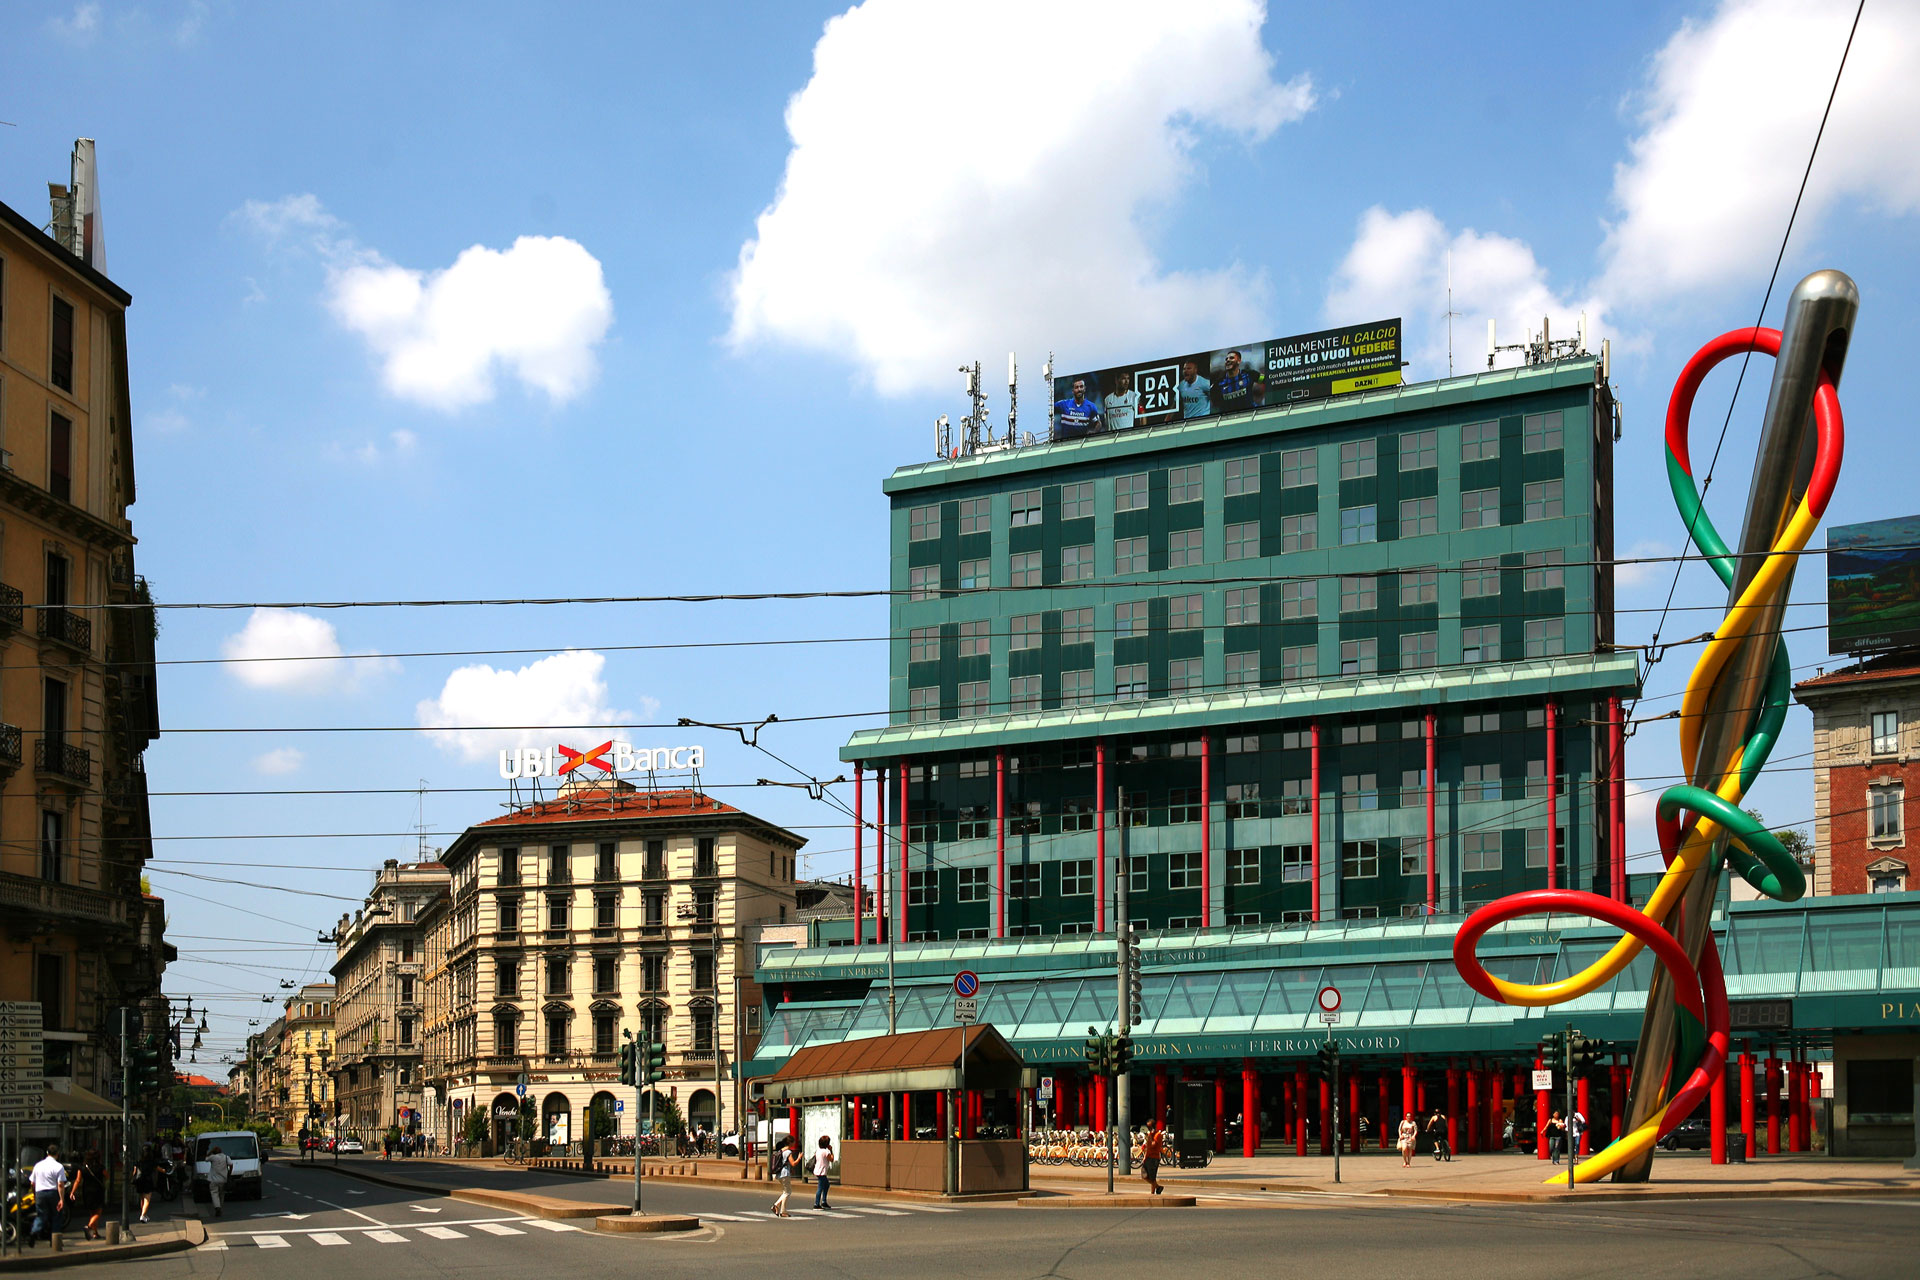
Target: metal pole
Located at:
point(1573, 1152)
point(1123, 934)
point(719, 1112)
point(1336, 1107)
point(1819, 321)
point(739, 1085)
point(126, 1100)
point(639, 1074)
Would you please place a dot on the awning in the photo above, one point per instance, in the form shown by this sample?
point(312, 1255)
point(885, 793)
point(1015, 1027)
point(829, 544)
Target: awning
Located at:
point(916, 1061)
point(77, 1103)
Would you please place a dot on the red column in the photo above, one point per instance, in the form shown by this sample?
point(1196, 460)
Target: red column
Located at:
point(1100, 1104)
point(1100, 837)
point(1553, 797)
point(1496, 1112)
point(1286, 1109)
point(1717, 1117)
point(1300, 1109)
point(1433, 872)
point(1475, 1127)
point(940, 1114)
point(1773, 1105)
point(999, 844)
point(1326, 1116)
point(1249, 1109)
point(1384, 1126)
point(1406, 1085)
point(1220, 1114)
point(1206, 831)
point(902, 820)
point(1160, 1098)
point(1617, 1095)
point(882, 918)
point(1540, 1112)
point(1617, 799)
point(1797, 1118)
point(1583, 1099)
point(1420, 1093)
point(1453, 1105)
point(859, 883)
point(1313, 809)
point(1746, 1100)
point(793, 1121)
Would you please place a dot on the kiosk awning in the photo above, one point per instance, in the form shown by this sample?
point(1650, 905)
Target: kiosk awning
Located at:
point(916, 1061)
point(77, 1103)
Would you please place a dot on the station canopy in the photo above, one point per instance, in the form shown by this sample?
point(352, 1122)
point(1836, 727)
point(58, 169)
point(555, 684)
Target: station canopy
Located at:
point(914, 1062)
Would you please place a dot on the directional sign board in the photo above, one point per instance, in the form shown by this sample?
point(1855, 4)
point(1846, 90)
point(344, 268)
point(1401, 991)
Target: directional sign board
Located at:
point(22, 1064)
point(966, 1011)
point(1045, 1092)
point(966, 984)
point(1543, 1081)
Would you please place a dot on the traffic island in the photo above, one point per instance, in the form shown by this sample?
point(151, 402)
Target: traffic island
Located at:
point(647, 1223)
point(1119, 1200)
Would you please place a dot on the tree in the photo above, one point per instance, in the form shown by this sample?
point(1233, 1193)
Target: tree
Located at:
point(476, 1126)
point(667, 1120)
point(1793, 839)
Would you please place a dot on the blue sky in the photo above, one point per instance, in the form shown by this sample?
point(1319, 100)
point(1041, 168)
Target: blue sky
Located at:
point(449, 301)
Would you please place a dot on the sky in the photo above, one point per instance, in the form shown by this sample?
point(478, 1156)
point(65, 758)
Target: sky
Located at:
point(440, 302)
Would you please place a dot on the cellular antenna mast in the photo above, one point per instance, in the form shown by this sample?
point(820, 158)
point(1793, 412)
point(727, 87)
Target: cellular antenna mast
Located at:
point(974, 425)
point(1046, 380)
point(1013, 398)
point(1451, 313)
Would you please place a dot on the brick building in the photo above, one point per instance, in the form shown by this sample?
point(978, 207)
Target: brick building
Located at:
point(1866, 771)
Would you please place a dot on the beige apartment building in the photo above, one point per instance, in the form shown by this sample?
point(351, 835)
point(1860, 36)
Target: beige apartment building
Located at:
point(573, 921)
point(297, 1075)
point(379, 1011)
point(77, 701)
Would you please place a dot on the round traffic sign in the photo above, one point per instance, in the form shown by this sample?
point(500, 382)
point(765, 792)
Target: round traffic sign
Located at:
point(966, 984)
point(520, 1089)
point(1329, 999)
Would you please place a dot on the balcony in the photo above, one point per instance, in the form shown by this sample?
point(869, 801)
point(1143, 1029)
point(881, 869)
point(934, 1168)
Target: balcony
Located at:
point(706, 869)
point(606, 873)
point(57, 760)
point(10, 740)
point(12, 615)
point(28, 898)
point(65, 627)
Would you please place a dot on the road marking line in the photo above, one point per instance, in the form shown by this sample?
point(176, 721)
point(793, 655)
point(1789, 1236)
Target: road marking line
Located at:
point(861, 1208)
point(765, 1217)
point(550, 1226)
point(216, 1244)
point(387, 1237)
point(270, 1242)
point(328, 1238)
point(443, 1233)
point(499, 1229)
point(927, 1208)
point(704, 1216)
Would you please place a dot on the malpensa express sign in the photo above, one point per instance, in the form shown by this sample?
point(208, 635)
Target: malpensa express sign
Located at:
point(610, 757)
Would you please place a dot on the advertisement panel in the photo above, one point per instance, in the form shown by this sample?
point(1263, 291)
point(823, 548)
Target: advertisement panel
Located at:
point(1873, 585)
point(1206, 384)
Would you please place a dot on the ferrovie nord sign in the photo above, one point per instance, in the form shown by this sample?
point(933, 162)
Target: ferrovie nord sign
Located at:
point(611, 756)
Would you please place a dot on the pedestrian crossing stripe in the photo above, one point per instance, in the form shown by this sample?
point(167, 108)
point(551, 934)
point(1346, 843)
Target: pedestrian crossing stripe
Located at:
point(328, 1238)
point(499, 1229)
point(443, 1233)
point(551, 1226)
point(271, 1242)
point(216, 1244)
point(387, 1237)
point(927, 1208)
point(861, 1208)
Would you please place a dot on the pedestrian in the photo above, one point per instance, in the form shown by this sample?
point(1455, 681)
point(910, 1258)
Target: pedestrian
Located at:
point(1151, 1153)
point(1506, 1134)
point(219, 1169)
point(1437, 1130)
point(1576, 1125)
point(143, 1175)
point(784, 1156)
point(1556, 1136)
point(49, 1184)
point(1409, 1134)
point(822, 1165)
point(89, 1191)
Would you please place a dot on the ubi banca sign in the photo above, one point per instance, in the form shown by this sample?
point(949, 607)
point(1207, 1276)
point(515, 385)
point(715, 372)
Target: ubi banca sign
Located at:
point(614, 757)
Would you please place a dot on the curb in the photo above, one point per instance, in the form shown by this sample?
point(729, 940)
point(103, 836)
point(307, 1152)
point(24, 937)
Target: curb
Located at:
point(707, 1180)
point(532, 1205)
point(1115, 1201)
point(647, 1224)
point(186, 1239)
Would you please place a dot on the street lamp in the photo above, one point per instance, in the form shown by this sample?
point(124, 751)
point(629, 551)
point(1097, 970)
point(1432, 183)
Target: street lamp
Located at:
point(336, 1107)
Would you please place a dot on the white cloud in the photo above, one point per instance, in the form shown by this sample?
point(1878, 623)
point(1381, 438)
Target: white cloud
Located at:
point(82, 26)
point(280, 761)
point(297, 652)
point(1398, 266)
point(399, 444)
point(172, 415)
point(187, 30)
point(535, 310)
point(971, 176)
point(553, 697)
point(1629, 576)
point(1727, 118)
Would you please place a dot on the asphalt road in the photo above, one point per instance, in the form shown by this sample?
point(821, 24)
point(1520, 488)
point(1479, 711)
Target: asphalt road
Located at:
point(316, 1218)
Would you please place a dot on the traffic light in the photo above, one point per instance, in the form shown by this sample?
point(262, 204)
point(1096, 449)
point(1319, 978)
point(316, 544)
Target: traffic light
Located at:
point(149, 1067)
point(1552, 1046)
point(1122, 1054)
point(629, 1063)
point(653, 1062)
point(1096, 1052)
point(1136, 1008)
point(1328, 1062)
point(1586, 1053)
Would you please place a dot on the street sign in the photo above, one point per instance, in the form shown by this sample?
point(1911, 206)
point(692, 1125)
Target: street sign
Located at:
point(1543, 1080)
point(22, 1064)
point(966, 1011)
point(1045, 1092)
point(1330, 1016)
point(520, 1089)
point(966, 984)
point(1328, 1000)
point(619, 1105)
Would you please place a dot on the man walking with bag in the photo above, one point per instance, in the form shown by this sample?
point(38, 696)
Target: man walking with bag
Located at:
point(219, 1169)
point(49, 1183)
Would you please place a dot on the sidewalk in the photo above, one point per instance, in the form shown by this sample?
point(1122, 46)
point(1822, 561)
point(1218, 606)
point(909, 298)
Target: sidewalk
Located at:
point(76, 1250)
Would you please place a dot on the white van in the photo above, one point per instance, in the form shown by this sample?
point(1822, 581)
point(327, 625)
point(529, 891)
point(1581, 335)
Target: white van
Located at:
point(243, 1148)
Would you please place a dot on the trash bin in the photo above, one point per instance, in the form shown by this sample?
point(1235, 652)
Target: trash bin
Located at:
point(1736, 1147)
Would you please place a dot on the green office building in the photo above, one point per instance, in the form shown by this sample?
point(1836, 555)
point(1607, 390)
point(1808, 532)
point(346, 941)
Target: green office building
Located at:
point(1336, 661)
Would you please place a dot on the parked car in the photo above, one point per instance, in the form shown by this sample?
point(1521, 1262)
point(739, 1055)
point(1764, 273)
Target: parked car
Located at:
point(352, 1146)
point(243, 1148)
point(1695, 1135)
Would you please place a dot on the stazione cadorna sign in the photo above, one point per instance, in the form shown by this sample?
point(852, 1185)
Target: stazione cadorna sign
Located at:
point(611, 756)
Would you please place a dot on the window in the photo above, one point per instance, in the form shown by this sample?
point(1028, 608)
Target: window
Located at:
point(1352, 734)
point(977, 934)
point(1130, 492)
point(1243, 669)
point(1076, 500)
point(1886, 733)
point(1023, 693)
point(606, 970)
point(1419, 586)
point(1359, 792)
point(1357, 524)
point(1130, 681)
point(1130, 618)
point(1243, 476)
point(923, 888)
point(60, 457)
point(923, 581)
point(1419, 650)
point(1540, 432)
point(1025, 632)
point(1077, 815)
point(1129, 555)
point(974, 698)
point(1357, 595)
point(1480, 851)
point(1023, 881)
point(1537, 845)
point(923, 524)
point(556, 1035)
point(1413, 856)
point(506, 978)
point(1076, 626)
point(1184, 676)
point(604, 908)
point(1480, 782)
point(1480, 644)
point(1359, 913)
point(509, 916)
point(1359, 657)
point(53, 845)
point(1479, 441)
point(603, 1035)
point(1300, 599)
point(1299, 533)
point(1243, 540)
point(1183, 484)
point(1479, 508)
point(557, 910)
point(975, 641)
point(976, 515)
point(1243, 606)
point(1418, 516)
point(1884, 805)
point(1183, 871)
point(1076, 688)
point(1296, 863)
point(1480, 578)
point(923, 705)
point(972, 885)
point(1359, 859)
point(975, 575)
point(1299, 662)
point(1546, 637)
point(1076, 562)
point(509, 866)
point(1183, 804)
point(1023, 569)
point(1299, 468)
point(1544, 500)
point(606, 864)
point(505, 1041)
point(1243, 866)
point(1545, 571)
point(559, 869)
point(1183, 548)
point(923, 644)
point(655, 906)
point(1183, 613)
point(60, 372)
point(1419, 450)
point(1076, 878)
point(556, 975)
point(1025, 508)
point(653, 972)
point(1357, 459)
point(1243, 799)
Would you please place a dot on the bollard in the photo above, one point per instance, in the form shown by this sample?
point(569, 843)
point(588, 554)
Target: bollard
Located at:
point(58, 1240)
point(113, 1233)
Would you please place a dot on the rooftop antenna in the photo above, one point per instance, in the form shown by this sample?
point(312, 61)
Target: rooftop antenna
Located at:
point(420, 820)
point(942, 436)
point(976, 422)
point(1013, 397)
point(1451, 313)
point(1046, 380)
